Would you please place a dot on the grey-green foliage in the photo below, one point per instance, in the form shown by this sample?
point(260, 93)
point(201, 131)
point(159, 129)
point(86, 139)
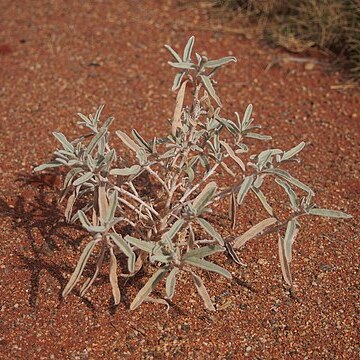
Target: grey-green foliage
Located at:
point(172, 228)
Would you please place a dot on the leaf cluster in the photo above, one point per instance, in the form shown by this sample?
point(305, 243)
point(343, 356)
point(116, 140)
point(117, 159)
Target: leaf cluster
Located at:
point(169, 226)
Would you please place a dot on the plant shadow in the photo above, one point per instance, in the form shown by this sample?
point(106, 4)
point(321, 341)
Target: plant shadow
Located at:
point(39, 216)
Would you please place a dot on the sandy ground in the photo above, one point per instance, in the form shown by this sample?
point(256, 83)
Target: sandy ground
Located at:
point(62, 57)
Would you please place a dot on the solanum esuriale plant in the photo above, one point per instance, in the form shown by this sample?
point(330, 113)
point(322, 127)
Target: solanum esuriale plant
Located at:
point(157, 206)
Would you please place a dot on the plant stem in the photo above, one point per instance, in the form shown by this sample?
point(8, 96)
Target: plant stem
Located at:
point(156, 175)
point(134, 197)
point(210, 173)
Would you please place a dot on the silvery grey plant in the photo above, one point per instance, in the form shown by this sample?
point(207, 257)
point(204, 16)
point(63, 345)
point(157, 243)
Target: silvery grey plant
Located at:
point(171, 227)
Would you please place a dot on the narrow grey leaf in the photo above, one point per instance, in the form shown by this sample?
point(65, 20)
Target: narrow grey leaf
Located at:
point(107, 123)
point(83, 178)
point(284, 174)
point(214, 123)
point(203, 251)
point(204, 197)
point(67, 185)
point(84, 118)
point(290, 192)
point(182, 65)
point(207, 265)
point(178, 109)
point(290, 235)
point(158, 257)
point(95, 229)
point(141, 156)
point(94, 218)
point(265, 157)
point(140, 244)
point(177, 80)
point(254, 231)
point(190, 172)
point(83, 219)
point(329, 213)
point(188, 49)
point(69, 206)
point(238, 121)
point(64, 153)
point(210, 230)
point(91, 280)
point(109, 158)
point(103, 203)
point(73, 162)
point(210, 88)
point(138, 264)
point(232, 154)
point(168, 154)
point(131, 144)
point(232, 210)
point(140, 140)
point(173, 53)
point(113, 202)
point(79, 267)
point(200, 287)
point(158, 301)
point(113, 278)
point(148, 288)
point(171, 283)
point(216, 142)
point(285, 266)
point(133, 170)
point(64, 142)
point(242, 148)
point(204, 162)
point(51, 164)
point(90, 162)
point(216, 63)
point(85, 209)
point(258, 181)
point(227, 169)
point(244, 188)
point(258, 136)
point(233, 255)
point(191, 237)
point(260, 195)
point(175, 228)
point(247, 117)
point(98, 112)
point(292, 152)
point(86, 224)
point(94, 141)
point(61, 161)
point(69, 176)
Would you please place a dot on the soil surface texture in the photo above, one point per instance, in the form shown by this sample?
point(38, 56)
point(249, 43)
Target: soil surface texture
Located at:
point(62, 57)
